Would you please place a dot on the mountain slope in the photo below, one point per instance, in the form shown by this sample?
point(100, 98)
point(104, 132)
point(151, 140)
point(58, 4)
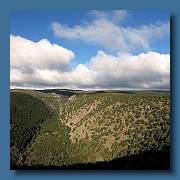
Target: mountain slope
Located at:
point(88, 127)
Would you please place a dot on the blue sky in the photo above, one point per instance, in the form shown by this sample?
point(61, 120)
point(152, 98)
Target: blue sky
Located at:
point(36, 25)
point(91, 36)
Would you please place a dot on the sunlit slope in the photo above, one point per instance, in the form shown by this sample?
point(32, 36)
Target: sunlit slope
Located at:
point(120, 120)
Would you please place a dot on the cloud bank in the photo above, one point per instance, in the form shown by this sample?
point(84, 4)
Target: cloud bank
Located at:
point(106, 30)
point(45, 65)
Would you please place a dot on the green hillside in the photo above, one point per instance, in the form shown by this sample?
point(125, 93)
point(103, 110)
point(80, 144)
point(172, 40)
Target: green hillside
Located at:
point(59, 128)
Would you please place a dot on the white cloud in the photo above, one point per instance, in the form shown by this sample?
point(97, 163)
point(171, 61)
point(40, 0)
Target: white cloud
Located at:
point(103, 30)
point(37, 62)
point(28, 55)
point(151, 70)
point(42, 65)
point(115, 16)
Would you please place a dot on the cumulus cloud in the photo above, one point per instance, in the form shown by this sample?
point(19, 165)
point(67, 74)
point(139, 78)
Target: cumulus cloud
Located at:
point(144, 71)
point(28, 55)
point(42, 65)
point(37, 62)
point(103, 30)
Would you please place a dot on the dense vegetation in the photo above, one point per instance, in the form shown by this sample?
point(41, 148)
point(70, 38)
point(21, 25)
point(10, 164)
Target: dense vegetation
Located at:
point(56, 130)
point(27, 113)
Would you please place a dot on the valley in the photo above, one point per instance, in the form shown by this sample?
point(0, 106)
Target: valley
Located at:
point(64, 129)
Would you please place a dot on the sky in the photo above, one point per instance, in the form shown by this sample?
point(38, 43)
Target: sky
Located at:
point(93, 49)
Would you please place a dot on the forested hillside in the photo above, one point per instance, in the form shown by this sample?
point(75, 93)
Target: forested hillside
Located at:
point(65, 128)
